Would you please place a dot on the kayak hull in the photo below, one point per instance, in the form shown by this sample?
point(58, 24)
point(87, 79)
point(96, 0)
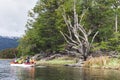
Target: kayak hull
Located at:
point(23, 65)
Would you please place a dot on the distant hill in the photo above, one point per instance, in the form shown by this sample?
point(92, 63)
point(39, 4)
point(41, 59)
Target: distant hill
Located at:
point(8, 42)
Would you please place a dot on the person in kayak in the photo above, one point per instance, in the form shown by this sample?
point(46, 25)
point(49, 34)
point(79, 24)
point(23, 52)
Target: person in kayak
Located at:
point(28, 59)
point(32, 61)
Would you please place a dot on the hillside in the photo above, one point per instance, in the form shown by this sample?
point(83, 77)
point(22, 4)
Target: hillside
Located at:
point(8, 42)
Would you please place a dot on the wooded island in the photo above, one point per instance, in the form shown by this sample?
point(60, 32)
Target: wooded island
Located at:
point(88, 30)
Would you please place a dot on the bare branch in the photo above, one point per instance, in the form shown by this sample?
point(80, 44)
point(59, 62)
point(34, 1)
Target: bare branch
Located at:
point(78, 36)
point(94, 38)
point(69, 38)
point(64, 37)
point(66, 21)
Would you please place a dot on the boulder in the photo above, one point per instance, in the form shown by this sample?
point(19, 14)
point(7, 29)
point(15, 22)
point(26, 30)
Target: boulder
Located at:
point(37, 57)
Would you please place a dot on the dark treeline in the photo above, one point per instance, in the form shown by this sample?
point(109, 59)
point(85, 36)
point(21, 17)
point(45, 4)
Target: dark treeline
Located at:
point(46, 22)
point(9, 53)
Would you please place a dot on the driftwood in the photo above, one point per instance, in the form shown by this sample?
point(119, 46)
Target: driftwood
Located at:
point(52, 57)
point(79, 64)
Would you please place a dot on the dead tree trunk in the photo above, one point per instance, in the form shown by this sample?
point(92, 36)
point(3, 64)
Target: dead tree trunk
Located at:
point(78, 36)
point(116, 23)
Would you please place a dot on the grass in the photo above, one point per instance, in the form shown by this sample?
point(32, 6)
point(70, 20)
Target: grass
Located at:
point(96, 62)
point(113, 63)
point(58, 61)
point(103, 62)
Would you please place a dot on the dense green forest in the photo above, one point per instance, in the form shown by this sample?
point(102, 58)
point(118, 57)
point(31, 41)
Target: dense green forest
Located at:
point(49, 22)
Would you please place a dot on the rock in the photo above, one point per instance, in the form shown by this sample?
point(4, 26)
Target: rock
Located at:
point(37, 56)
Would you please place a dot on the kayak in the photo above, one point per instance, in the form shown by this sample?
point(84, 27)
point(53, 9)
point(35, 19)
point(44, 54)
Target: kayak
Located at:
point(22, 65)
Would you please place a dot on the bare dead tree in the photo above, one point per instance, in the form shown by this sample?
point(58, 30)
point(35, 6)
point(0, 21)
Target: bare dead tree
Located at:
point(77, 36)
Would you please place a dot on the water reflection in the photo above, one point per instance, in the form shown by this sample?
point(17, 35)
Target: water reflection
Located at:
point(68, 73)
point(23, 73)
point(100, 74)
point(8, 72)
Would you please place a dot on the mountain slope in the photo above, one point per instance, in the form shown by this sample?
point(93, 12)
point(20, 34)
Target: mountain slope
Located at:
point(8, 42)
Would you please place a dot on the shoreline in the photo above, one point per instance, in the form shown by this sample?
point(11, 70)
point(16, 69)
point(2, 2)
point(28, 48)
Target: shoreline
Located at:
point(102, 62)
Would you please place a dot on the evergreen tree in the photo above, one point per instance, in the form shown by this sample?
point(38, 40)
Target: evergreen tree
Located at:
point(46, 21)
point(42, 33)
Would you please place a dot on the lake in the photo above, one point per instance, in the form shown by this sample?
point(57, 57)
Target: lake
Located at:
point(8, 72)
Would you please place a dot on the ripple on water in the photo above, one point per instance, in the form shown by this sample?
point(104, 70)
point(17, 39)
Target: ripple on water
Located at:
point(5, 71)
point(54, 73)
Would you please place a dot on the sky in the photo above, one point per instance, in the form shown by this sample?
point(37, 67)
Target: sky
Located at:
point(13, 16)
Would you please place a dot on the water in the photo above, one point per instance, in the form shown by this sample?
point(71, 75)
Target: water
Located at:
point(8, 72)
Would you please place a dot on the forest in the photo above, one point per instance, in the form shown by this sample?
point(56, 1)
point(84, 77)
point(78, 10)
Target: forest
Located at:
point(79, 27)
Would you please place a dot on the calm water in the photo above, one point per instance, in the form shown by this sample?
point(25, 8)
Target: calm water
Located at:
point(54, 73)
